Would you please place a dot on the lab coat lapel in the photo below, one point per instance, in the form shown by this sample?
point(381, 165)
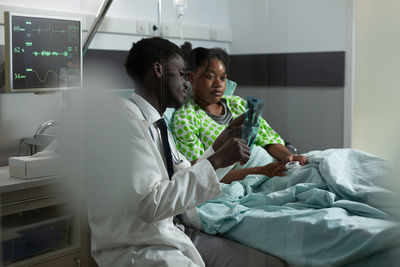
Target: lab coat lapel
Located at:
point(145, 129)
point(156, 152)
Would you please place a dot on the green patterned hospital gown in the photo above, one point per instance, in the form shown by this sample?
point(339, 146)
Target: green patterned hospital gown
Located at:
point(194, 131)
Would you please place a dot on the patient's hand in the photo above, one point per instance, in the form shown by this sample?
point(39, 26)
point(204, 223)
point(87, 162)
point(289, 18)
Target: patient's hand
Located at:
point(234, 130)
point(274, 169)
point(295, 157)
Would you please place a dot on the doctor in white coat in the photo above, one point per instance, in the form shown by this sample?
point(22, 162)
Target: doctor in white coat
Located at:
point(131, 212)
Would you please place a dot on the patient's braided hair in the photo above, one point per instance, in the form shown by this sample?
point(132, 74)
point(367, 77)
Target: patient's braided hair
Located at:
point(196, 57)
point(146, 52)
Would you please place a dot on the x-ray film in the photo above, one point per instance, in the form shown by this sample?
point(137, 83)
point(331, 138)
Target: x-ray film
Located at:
point(251, 122)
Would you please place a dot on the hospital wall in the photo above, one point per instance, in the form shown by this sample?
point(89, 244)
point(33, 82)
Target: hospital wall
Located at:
point(314, 117)
point(377, 65)
point(310, 117)
point(21, 114)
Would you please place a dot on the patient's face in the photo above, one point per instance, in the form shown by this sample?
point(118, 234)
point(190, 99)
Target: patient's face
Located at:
point(209, 84)
point(175, 84)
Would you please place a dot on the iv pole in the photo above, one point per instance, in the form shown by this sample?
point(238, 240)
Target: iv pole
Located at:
point(159, 27)
point(105, 5)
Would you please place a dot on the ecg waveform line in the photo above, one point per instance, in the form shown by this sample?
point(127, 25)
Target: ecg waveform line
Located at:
point(49, 29)
point(49, 53)
point(67, 78)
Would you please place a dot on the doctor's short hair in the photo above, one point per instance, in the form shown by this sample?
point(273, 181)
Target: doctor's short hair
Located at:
point(146, 52)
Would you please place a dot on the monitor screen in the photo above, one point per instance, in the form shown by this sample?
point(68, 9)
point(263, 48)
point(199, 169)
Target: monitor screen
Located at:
point(43, 53)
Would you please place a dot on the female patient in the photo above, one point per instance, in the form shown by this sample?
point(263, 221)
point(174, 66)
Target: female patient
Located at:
point(338, 208)
point(197, 124)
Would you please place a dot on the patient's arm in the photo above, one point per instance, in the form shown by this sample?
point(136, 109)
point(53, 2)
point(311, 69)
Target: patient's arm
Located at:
point(281, 153)
point(278, 151)
point(270, 170)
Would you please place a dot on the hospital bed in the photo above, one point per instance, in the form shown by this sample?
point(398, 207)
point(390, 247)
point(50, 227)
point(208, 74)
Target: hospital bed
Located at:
point(313, 204)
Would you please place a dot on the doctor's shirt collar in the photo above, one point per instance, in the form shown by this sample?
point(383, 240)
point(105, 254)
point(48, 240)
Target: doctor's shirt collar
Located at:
point(149, 112)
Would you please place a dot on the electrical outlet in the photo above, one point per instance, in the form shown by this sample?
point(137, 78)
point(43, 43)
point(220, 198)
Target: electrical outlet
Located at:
point(142, 27)
point(213, 34)
point(165, 30)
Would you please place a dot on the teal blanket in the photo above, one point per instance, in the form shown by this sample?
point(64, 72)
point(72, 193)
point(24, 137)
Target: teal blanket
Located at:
point(336, 210)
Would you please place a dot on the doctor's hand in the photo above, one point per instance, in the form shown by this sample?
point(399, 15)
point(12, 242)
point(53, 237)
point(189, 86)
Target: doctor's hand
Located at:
point(234, 130)
point(234, 150)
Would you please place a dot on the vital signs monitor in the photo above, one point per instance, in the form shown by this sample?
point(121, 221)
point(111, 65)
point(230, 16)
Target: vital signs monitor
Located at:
point(43, 53)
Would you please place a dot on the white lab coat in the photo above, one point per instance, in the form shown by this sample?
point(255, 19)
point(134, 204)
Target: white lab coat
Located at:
point(130, 214)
